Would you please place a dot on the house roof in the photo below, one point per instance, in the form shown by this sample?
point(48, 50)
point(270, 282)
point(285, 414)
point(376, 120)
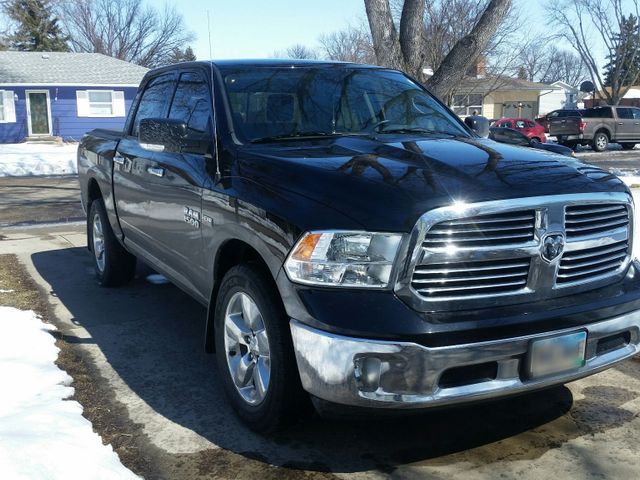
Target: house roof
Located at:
point(65, 68)
point(501, 82)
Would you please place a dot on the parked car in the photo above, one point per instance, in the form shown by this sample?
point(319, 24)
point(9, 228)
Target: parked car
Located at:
point(354, 243)
point(533, 130)
point(598, 127)
point(514, 137)
point(562, 113)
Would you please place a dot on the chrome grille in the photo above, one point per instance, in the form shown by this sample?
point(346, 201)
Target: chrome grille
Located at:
point(502, 228)
point(591, 263)
point(590, 219)
point(469, 256)
point(471, 278)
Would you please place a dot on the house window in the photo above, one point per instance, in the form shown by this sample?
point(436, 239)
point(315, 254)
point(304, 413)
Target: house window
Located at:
point(100, 103)
point(7, 107)
point(467, 104)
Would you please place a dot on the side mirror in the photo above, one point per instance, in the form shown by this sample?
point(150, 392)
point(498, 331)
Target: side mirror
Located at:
point(478, 124)
point(160, 134)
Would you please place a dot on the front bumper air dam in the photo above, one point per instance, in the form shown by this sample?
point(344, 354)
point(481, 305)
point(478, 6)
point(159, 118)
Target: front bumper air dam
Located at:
point(383, 374)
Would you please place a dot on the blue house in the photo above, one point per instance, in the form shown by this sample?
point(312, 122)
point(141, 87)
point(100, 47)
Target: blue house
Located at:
point(58, 94)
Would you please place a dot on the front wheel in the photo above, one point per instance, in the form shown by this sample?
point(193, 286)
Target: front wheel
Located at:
point(113, 265)
point(254, 351)
point(600, 142)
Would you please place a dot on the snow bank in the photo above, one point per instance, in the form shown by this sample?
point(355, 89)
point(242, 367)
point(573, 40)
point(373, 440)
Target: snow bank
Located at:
point(22, 159)
point(42, 435)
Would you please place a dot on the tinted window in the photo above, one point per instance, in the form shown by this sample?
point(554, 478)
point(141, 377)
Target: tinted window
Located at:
point(154, 100)
point(636, 113)
point(268, 102)
point(599, 112)
point(520, 124)
point(191, 102)
point(625, 113)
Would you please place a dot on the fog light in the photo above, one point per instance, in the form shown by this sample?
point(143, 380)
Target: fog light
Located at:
point(367, 373)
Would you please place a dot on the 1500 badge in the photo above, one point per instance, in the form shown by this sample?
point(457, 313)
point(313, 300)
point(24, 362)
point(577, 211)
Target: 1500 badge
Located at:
point(192, 217)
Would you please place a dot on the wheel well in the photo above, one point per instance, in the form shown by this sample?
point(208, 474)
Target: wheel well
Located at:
point(93, 193)
point(232, 253)
point(605, 131)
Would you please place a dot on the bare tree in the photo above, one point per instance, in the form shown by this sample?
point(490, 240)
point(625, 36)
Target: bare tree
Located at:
point(541, 62)
point(589, 25)
point(297, 51)
point(406, 49)
point(353, 44)
point(125, 29)
point(565, 66)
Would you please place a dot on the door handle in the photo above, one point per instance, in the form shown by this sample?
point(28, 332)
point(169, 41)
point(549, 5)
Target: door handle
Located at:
point(620, 123)
point(118, 159)
point(157, 171)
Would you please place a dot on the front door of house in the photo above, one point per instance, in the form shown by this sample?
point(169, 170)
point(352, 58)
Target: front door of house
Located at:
point(38, 112)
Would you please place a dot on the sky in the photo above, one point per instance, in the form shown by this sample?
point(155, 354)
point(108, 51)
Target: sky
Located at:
point(259, 28)
point(256, 29)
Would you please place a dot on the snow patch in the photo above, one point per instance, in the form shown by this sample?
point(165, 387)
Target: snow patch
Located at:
point(2, 290)
point(43, 436)
point(24, 159)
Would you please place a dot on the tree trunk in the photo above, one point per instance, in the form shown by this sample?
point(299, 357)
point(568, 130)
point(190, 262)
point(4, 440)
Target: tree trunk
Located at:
point(455, 65)
point(383, 33)
point(411, 36)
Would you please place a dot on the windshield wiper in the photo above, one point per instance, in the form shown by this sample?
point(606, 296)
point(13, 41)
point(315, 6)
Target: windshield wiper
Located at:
point(425, 131)
point(301, 135)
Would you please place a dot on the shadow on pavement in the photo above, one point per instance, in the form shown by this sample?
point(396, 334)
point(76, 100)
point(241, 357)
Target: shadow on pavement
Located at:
point(152, 336)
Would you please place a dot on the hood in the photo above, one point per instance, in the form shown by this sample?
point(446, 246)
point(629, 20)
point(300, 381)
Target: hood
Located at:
point(388, 185)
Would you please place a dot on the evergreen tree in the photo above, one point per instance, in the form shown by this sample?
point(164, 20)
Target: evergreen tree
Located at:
point(37, 27)
point(623, 67)
point(178, 55)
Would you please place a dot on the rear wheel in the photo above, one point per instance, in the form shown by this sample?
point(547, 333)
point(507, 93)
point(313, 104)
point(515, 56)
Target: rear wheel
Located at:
point(535, 140)
point(113, 265)
point(254, 351)
point(600, 142)
point(628, 146)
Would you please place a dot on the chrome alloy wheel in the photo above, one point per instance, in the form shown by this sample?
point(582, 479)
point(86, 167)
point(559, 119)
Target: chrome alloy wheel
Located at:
point(247, 348)
point(601, 142)
point(98, 242)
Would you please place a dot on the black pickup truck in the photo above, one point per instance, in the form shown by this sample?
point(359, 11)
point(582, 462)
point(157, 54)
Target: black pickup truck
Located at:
point(355, 243)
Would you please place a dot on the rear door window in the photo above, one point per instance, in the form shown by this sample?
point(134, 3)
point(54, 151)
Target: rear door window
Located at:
point(636, 113)
point(154, 101)
point(625, 113)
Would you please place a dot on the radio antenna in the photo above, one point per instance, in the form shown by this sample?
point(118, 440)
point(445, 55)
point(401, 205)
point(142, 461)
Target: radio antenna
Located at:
point(213, 103)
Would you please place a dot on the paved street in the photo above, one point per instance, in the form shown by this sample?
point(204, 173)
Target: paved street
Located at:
point(29, 200)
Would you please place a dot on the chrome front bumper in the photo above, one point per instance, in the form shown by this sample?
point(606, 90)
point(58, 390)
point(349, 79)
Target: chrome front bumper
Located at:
point(371, 373)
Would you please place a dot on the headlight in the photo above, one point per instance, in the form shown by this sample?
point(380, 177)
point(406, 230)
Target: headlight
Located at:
point(343, 259)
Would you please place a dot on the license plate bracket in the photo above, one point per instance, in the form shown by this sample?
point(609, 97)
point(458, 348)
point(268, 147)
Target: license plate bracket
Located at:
point(557, 354)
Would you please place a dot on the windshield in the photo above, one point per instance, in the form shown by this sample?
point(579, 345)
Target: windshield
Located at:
point(279, 102)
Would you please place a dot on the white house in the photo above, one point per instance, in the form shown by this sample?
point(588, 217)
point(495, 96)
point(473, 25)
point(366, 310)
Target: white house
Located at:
point(559, 95)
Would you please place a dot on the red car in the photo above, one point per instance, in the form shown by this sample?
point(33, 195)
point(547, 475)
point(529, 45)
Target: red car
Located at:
point(531, 129)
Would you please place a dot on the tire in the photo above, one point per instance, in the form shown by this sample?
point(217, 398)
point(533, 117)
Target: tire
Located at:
point(283, 399)
point(628, 146)
point(600, 142)
point(114, 266)
point(535, 140)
